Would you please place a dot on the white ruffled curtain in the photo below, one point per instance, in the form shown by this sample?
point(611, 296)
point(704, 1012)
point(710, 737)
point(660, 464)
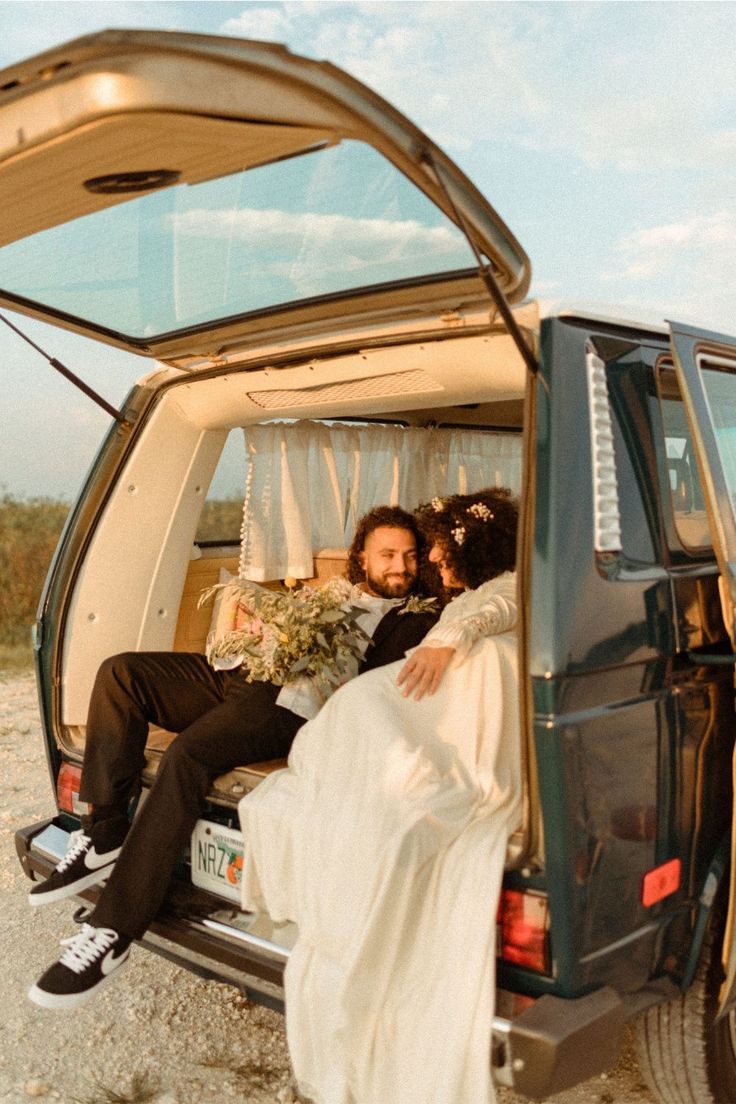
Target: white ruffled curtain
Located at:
point(308, 483)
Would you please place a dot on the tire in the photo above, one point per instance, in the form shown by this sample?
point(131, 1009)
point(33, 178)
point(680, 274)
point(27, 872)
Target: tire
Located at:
point(684, 1055)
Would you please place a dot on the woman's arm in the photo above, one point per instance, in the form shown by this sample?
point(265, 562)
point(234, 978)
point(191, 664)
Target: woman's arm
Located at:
point(452, 638)
point(493, 612)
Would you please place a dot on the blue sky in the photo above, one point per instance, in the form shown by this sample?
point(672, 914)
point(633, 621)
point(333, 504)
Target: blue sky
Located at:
point(603, 133)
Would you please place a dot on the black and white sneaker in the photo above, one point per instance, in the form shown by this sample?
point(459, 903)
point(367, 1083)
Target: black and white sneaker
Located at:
point(92, 958)
point(82, 866)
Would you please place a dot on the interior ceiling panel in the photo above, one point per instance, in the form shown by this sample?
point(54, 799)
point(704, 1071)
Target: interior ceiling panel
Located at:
point(196, 147)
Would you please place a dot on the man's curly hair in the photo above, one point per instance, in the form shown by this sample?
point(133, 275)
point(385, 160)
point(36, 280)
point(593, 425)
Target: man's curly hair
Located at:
point(476, 532)
point(392, 517)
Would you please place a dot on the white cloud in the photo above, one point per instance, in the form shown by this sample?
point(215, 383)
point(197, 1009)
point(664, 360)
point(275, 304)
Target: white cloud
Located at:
point(305, 247)
point(29, 26)
point(656, 248)
point(269, 24)
point(451, 68)
point(544, 76)
point(272, 227)
point(690, 265)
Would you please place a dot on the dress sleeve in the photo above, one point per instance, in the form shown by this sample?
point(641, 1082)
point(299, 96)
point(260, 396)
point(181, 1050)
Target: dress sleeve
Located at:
point(492, 614)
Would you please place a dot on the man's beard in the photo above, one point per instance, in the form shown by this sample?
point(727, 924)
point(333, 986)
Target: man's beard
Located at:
point(393, 588)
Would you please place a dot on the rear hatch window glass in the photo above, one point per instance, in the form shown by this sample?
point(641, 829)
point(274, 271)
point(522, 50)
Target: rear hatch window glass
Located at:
point(320, 223)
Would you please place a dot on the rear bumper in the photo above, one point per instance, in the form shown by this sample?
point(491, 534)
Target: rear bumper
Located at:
point(550, 1046)
point(556, 1043)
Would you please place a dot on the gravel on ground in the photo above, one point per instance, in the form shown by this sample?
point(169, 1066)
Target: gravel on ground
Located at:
point(158, 1033)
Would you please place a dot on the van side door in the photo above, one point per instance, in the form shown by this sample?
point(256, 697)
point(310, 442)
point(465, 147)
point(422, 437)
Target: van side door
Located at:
point(705, 364)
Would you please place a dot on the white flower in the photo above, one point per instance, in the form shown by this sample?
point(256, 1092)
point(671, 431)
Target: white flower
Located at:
point(459, 534)
point(480, 510)
point(437, 505)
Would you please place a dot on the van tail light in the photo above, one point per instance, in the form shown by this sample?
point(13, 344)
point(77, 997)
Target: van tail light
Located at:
point(67, 789)
point(523, 930)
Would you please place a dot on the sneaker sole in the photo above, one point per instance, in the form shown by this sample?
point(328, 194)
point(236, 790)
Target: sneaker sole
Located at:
point(60, 894)
point(61, 1001)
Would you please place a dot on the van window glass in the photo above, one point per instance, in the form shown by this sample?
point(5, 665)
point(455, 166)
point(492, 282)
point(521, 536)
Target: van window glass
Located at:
point(317, 224)
point(720, 388)
point(686, 491)
point(627, 381)
point(222, 513)
point(636, 534)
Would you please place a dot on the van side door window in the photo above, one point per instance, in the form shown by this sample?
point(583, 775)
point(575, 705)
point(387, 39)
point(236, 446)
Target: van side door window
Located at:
point(706, 370)
point(683, 477)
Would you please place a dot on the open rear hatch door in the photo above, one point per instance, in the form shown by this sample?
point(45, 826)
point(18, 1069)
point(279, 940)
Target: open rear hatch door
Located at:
point(157, 188)
point(706, 368)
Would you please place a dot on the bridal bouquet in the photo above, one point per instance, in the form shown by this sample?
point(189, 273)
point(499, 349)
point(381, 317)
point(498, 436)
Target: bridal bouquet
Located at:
point(282, 635)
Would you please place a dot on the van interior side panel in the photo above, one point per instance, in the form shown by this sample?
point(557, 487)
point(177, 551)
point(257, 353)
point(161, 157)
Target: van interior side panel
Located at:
point(128, 591)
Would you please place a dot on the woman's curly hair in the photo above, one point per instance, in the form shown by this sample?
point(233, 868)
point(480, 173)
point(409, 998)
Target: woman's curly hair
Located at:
point(476, 532)
point(390, 517)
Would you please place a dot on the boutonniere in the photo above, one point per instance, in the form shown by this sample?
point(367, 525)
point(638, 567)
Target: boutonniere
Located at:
point(419, 605)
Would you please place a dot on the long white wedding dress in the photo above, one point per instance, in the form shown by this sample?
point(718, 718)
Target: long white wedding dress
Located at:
point(384, 841)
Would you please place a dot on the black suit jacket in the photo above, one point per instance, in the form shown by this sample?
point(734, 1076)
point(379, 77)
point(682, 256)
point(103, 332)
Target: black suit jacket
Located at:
point(394, 634)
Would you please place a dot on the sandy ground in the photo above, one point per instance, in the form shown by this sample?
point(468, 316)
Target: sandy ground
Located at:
point(186, 1040)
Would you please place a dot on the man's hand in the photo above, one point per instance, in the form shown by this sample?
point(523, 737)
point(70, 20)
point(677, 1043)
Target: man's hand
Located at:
point(423, 671)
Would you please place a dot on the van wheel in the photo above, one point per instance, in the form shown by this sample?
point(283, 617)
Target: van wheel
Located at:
point(684, 1055)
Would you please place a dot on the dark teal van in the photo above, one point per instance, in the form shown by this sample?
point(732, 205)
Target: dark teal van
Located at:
point(303, 265)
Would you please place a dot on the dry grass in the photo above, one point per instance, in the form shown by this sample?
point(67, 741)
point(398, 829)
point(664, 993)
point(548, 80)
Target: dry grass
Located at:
point(256, 1074)
point(15, 659)
point(142, 1090)
point(29, 532)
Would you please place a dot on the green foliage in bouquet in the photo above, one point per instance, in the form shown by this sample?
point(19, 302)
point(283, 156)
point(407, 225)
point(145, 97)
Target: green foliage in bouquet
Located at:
point(283, 635)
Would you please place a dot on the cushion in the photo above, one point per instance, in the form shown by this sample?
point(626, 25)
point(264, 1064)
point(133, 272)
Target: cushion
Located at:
point(227, 613)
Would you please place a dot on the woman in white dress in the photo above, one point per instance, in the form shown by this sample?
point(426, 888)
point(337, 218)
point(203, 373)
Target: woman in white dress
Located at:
point(385, 840)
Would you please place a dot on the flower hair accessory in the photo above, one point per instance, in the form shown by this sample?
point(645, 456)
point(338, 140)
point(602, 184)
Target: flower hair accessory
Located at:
point(480, 510)
point(437, 505)
point(458, 534)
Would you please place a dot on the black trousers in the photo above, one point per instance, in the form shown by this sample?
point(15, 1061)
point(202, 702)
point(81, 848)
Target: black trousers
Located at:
point(223, 722)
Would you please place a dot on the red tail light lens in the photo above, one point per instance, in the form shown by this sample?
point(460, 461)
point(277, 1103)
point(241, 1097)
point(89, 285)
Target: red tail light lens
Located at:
point(67, 789)
point(523, 930)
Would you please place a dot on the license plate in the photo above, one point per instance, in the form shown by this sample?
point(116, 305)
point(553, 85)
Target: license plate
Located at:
point(217, 859)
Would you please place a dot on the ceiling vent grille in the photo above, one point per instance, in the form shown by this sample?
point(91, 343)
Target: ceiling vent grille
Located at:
point(396, 383)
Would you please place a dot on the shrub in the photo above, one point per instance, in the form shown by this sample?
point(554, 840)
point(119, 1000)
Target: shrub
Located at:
point(220, 520)
point(29, 531)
